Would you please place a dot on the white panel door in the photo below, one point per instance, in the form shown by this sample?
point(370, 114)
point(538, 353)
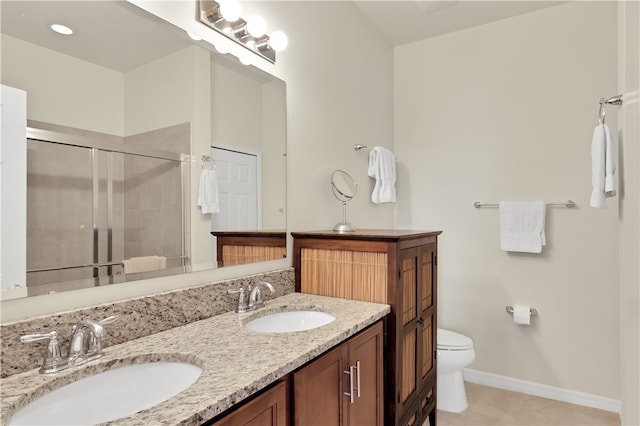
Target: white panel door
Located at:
point(13, 193)
point(238, 187)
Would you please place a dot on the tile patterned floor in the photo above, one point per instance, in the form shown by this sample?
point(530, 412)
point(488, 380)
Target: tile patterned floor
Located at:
point(491, 406)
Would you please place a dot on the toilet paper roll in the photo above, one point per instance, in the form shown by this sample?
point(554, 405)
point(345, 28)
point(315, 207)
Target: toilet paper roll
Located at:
point(521, 314)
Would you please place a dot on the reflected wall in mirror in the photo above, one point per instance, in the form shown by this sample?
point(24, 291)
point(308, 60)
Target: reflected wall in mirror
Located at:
point(112, 193)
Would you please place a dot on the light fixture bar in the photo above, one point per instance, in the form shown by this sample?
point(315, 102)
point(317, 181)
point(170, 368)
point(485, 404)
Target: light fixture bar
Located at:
point(210, 15)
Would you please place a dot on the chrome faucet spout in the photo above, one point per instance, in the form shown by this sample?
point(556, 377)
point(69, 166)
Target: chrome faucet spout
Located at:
point(86, 342)
point(255, 297)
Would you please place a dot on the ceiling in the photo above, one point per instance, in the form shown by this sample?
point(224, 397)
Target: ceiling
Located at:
point(133, 41)
point(112, 34)
point(406, 21)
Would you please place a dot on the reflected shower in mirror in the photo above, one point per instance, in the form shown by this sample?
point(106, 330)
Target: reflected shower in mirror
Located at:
point(344, 189)
point(119, 118)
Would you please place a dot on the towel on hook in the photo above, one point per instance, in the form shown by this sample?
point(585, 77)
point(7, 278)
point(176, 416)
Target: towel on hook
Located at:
point(603, 166)
point(522, 226)
point(144, 264)
point(208, 198)
point(382, 167)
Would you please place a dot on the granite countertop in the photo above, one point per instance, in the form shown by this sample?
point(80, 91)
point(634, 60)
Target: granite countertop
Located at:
point(236, 362)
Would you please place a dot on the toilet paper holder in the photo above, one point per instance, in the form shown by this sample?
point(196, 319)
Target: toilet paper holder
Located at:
point(509, 310)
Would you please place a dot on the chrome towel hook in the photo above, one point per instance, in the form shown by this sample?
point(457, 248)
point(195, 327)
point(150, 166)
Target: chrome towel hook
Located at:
point(204, 159)
point(614, 100)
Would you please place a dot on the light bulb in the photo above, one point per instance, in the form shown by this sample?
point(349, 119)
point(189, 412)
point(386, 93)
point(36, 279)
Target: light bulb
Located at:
point(221, 49)
point(194, 36)
point(230, 10)
point(256, 26)
point(244, 59)
point(61, 29)
point(278, 41)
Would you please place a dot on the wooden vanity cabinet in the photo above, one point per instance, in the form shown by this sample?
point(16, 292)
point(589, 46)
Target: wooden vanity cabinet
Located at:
point(385, 266)
point(344, 386)
point(269, 408)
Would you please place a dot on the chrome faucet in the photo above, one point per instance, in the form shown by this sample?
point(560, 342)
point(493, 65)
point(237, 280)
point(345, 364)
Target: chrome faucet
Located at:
point(86, 342)
point(85, 345)
point(255, 297)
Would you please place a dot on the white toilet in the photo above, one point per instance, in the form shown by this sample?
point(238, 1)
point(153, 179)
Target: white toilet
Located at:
point(455, 351)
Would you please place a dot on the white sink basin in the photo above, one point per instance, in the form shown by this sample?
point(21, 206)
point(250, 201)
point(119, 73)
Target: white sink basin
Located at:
point(288, 322)
point(111, 395)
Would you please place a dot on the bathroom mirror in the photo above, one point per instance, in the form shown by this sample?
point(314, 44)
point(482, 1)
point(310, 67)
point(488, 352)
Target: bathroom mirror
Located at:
point(127, 78)
point(344, 188)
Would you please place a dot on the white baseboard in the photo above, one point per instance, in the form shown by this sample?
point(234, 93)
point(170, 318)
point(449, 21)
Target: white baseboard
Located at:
point(544, 391)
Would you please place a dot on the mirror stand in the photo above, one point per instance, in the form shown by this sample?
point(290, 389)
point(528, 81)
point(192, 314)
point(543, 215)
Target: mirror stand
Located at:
point(344, 226)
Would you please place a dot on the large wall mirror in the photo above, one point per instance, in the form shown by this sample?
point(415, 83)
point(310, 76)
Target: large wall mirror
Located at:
point(148, 153)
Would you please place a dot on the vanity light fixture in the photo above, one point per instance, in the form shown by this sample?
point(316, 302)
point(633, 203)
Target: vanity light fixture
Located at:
point(224, 17)
point(61, 29)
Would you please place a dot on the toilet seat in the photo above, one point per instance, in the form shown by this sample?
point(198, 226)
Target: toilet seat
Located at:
point(452, 341)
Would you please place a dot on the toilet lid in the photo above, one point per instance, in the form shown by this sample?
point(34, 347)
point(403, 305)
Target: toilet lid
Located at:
point(453, 341)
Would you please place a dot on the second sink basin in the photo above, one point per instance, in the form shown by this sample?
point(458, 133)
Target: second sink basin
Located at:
point(110, 395)
point(288, 322)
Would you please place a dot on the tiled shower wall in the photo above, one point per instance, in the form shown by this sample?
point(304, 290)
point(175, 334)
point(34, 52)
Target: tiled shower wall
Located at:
point(153, 196)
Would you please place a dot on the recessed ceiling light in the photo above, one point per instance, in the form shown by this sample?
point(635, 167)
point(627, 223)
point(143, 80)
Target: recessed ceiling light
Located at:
point(61, 29)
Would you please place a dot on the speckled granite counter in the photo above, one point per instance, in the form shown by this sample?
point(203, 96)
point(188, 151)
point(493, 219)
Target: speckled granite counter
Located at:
point(236, 362)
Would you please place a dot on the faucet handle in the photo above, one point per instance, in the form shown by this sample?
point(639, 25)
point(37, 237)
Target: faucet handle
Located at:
point(53, 360)
point(28, 338)
point(108, 320)
point(242, 299)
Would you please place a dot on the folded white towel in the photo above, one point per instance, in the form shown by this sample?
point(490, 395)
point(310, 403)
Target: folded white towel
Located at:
point(208, 198)
point(144, 264)
point(603, 166)
point(382, 167)
point(522, 226)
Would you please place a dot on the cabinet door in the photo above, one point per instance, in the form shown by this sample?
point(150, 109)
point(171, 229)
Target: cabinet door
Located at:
point(427, 314)
point(268, 409)
point(318, 390)
point(366, 361)
point(409, 338)
point(417, 321)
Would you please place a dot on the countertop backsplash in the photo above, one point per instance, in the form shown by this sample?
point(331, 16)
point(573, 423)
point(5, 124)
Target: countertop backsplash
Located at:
point(137, 317)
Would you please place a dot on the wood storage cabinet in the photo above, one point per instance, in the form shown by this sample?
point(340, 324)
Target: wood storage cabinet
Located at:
point(343, 387)
point(396, 267)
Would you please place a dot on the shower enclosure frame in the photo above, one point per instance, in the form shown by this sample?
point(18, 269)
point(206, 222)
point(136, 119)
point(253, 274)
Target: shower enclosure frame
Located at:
point(95, 147)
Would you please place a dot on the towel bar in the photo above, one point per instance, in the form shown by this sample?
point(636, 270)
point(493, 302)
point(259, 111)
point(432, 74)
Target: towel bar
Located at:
point(568, 204)
point(509, 310)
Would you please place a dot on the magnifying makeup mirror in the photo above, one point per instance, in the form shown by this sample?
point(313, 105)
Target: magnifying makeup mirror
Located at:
point(344, 189)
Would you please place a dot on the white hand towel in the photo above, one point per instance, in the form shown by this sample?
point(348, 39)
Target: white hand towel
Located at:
point(522, 226)
point(603, 166)
point(208, 192)
point(382, 167)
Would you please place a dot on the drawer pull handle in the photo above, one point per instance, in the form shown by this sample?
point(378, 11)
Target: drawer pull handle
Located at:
point(358, 377)
point(354, 370)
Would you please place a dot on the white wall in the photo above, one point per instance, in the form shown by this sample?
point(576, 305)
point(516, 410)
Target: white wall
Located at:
point(339, 75)
point(629, 201)
point(506, 111)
